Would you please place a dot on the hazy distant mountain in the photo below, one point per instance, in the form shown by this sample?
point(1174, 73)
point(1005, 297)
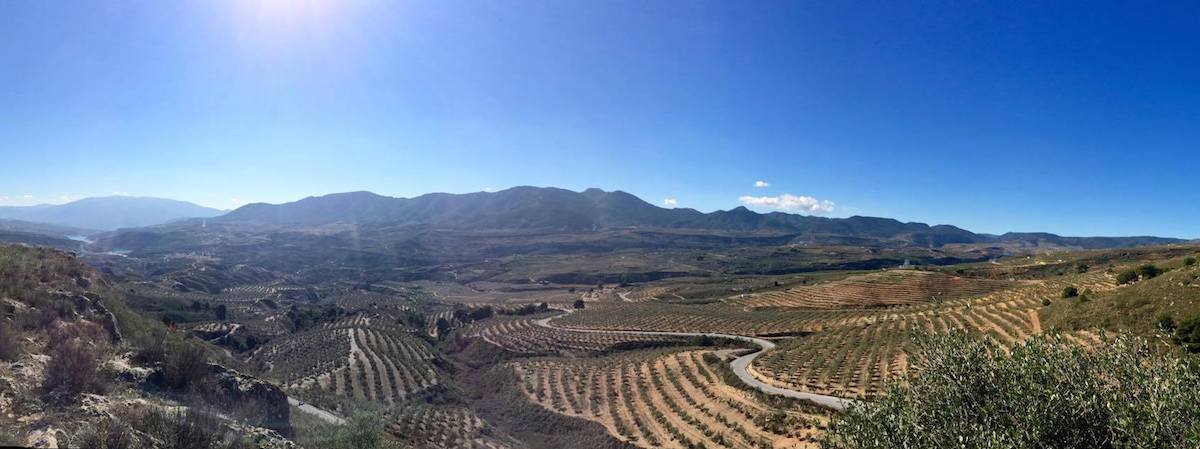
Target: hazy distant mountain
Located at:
point(108, 213)
point(553, 209)
point(43, 228)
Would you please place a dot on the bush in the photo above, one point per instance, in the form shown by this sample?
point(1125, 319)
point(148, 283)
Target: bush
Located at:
point(1070, 292)
point(1188, 334)
point(1045, 393)
point(71, 371)
point(186, 365)
point(1165, 322)
point(1046, 301)
point(193, 429)
point(10, 345)
point(363, 430)
point(1189, 261)
point(1148, 271)
point(579, 304)
point(1126, 277)
point(107, 434)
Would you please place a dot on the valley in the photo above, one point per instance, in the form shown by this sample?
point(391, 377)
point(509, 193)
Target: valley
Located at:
point(526, 338)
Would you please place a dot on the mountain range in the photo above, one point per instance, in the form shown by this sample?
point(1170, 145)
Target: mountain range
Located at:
point(442, 227)
point(559, 210)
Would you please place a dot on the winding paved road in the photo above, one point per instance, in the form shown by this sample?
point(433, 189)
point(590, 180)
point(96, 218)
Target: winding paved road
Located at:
point(739, 365)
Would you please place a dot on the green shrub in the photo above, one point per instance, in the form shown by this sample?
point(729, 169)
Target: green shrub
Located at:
point(364, 430)
point(1046, 301)
point(1043, 393)
point(1188, 334)
point(1165, 322)
point(1189, 261)
point(579, 304)
point(1070, 292)
point(1126, 276)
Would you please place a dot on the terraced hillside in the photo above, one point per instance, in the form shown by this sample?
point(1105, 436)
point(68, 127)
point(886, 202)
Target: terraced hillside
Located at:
point(881, 289)
point(523, 335)
point(663, 398)
point(851, 352)
point(446, 427)
point(355, 358)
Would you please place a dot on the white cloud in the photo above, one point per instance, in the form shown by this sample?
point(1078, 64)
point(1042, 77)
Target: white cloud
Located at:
point(790, 203)
point(489, 189)
point(672, 202)
point(761, 184)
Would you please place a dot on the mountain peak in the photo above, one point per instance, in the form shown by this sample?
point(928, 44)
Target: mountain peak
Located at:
point(109, 212)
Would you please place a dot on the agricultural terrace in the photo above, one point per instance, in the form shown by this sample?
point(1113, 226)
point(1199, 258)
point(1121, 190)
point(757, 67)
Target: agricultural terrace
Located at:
point(666, 398)
point(355, 358)
point(522, 335)
point(848, 352)
point(445, 426)
point(881, 289)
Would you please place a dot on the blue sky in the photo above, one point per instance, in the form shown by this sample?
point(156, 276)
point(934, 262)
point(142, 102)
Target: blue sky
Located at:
point(1080, 119)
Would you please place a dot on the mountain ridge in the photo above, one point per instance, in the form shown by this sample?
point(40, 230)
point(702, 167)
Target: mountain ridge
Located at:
point(551, 208)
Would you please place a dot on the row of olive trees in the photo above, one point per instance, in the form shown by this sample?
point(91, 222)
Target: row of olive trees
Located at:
point(1043, 393)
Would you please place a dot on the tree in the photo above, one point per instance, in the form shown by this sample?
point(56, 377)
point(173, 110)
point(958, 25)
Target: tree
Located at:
point(1070, 292)
point(442, 326)
point(1126, 277)
point(222, 312)
point(578, 304)
point(1189, 261)
point(1045, 392)
point(1148, 271)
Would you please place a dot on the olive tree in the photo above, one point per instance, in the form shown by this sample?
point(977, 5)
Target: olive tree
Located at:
point(1044, 393)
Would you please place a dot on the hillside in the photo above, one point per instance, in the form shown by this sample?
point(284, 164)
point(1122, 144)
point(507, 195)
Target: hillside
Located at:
point(78, 368)
point(108, 213)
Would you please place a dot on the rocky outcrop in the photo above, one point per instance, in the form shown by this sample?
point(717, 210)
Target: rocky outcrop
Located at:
point(260, 402)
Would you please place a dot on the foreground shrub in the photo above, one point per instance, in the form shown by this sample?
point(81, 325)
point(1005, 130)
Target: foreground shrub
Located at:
point(1188, 335)
point(364, 430)
point(185, 366)
point(971, 393)
point(190, 429)
point(10, 345)
point(71, 371)
point(107, 434)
